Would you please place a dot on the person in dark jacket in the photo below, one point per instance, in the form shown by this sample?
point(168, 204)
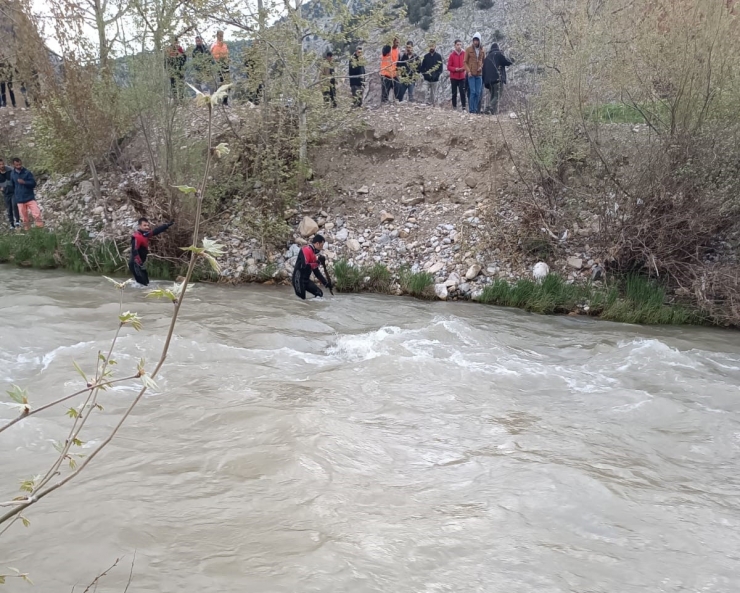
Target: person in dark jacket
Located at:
point(357, 77)
point(307, 262)
point(408, 68)
point(328, 82)
point(203, 64)
point(23, 185)
point(494, 76)
point(140, 248)
point(6, 187)
point(431, 70)
point(175, 59)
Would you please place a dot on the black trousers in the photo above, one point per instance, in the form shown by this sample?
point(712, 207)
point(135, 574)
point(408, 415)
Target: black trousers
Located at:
point(330, 96)
point(13, 215)
point(139, 272)
point(3, 97)
point(458, 85)
point(389, 87)
point(357, 92)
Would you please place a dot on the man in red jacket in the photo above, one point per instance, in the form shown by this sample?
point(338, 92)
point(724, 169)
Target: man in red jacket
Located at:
point(456, 68)
point(308, 261)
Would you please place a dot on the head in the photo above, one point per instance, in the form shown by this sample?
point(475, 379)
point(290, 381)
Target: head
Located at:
point(329, 56)
point(432, 48)
point(476, 41)
point(395, 42)
point(358, 52)
point(386, 50)
point(458, 45)
point(2, 164)
point(17, 164)
point(318, 242)
point(494, 47)
point(198, 40)
point(144, 225)
point(409, 47)
point(219, 36)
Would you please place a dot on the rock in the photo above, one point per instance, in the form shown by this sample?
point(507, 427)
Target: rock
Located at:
point(440, 290)
point(329, 226)
point(434, 268)
point(575, 262)
point(384, 239)
point(412, 201)
point(597, 273)
point(293, 251)
point(386, 217)
point(342, 235)
point(403, 233)
point(472, 272)
point(452, 280)
point(363, 190)
point(353, 245)
point(308, 227)
point(464, 288)
point(98, 210)
point(86, 188)
point(471, 181)
point(540, 271)
point(300, 241)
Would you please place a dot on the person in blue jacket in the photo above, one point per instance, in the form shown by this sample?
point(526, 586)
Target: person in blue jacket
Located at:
point(23, 186)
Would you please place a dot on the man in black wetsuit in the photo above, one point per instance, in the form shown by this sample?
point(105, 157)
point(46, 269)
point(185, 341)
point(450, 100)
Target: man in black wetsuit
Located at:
point(308, 261)
point(140, 248)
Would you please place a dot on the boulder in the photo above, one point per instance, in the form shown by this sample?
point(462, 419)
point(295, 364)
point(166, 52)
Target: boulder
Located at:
point(575, 262)
point(329, 226)
point(354, 245)
point(440, 290)
point(308, 227)
point(472, 272)
point(540, 271)
point(434, 268)
point(386, 217)
point(452, 280)
point(342, 235)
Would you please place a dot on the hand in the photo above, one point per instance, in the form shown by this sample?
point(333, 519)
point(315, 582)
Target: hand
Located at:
point(322, 260)
point(329, 285)
point(21, 182)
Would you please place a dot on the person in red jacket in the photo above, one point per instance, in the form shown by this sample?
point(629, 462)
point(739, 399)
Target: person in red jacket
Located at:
point(140, 248)
point(456, 68)
point(308, 261)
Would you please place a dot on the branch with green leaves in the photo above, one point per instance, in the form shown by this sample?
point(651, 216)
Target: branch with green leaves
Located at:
point(37, 488)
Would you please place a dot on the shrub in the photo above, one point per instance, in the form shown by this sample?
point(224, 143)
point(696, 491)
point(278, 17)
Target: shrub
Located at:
point(417, 284)
point(347, 278)
point(379, 278)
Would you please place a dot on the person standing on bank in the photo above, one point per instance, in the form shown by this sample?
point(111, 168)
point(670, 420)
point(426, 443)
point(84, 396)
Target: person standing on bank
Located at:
point(23, 184)
point(475, 56)
point(431, 70)
point(499, 62)
point(140, 248)
point(308, 262)
point(456, 68)
point(388, 78)
point(202, 65)
point(328, 82)
point(220, 53)
point(6, 187)
point(408, 66)
point(357, 77)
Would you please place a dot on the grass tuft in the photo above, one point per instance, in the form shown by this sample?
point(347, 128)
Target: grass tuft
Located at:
point(417, 284)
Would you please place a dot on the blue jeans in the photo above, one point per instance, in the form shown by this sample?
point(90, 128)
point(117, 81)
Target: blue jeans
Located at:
point(476, 88)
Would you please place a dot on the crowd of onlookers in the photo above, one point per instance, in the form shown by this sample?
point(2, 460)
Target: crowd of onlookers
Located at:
point(7, 91)
point(470, 71)
point(17, 185)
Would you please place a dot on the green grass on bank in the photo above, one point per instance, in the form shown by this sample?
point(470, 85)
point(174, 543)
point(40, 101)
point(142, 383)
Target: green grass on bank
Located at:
point(621, 113)
point(42, 249)
point(349, 278)
point(633, 300)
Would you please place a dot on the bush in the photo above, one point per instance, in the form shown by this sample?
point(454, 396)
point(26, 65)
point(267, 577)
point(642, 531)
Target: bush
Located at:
point(347, 278)
point(417, 284)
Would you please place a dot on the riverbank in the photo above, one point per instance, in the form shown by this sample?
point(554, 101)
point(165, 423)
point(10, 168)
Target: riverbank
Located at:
point(631, 299)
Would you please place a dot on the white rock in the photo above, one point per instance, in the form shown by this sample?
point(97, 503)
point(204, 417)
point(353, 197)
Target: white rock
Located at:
point(540, 271)
point(354, 245)
point(441, 291)
point(386, 217)
point(342, 235)
point(308, 227)
point(575, 262)
point(436, 267)
point(472, 272)
point(363, 190)
point(329, 226)
point(452, 280)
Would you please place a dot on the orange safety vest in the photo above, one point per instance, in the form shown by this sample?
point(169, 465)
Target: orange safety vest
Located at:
point(220, 51)
point(388, 64)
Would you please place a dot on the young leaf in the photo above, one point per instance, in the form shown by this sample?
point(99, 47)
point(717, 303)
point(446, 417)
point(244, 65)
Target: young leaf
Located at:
point(161, 293)
point(220, 94)
point(25, 521)
point(80, 371)
point(221, 150)
point(72, 413)
point(214, 264)
point(194, 249)
point(18, 395)
point(186, 189)
point(213, 248)
point(148, 382)
point(77, 442)
point(116, 283)
point(27, 485)
point(132, 319)
point(72, 463)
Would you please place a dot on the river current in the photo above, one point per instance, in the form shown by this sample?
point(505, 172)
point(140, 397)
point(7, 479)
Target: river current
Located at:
point(374, 444)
